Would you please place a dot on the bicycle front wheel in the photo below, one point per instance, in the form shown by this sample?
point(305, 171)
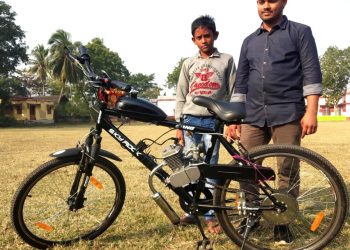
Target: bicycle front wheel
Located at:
point(40, 209)
point(314, 193)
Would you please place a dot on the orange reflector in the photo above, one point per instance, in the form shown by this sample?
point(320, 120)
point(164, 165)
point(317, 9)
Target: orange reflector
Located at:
point(44, 226)
point(95, 182)
point(317, 221)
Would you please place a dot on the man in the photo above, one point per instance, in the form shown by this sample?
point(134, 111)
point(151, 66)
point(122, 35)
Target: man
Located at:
point(278, 69)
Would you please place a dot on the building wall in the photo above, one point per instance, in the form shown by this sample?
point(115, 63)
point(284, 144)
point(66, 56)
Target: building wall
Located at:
point(41, 110)
point(343, 107)
point(167, 104)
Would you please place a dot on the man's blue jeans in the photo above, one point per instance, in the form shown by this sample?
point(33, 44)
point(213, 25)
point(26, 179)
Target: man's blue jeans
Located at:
point(206, 122)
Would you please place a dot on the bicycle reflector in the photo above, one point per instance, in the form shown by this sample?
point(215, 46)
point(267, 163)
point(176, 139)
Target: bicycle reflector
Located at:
point(95, 182)
point(44, 226)
point(317, 221)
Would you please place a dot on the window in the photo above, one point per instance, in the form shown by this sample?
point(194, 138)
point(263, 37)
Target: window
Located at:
point(18, 109)
point(49, 109)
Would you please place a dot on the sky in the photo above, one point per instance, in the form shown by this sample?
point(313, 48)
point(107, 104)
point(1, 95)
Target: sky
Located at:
point(151, 36)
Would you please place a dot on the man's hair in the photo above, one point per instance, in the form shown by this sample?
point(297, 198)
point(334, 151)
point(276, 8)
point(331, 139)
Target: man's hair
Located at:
point(205, 21)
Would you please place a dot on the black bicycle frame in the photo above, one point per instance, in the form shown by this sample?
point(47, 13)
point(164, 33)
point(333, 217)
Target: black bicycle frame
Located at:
point(104, 123)
point(243, 172)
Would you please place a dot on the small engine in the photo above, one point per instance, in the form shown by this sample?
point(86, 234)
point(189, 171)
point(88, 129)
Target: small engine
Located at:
point(173, 156)
point(183, 164)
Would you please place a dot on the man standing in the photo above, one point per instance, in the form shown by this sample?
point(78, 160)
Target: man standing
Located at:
point(278, 69)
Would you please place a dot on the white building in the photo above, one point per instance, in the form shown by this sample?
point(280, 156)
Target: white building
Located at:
point(342, 109)
point(167, 104)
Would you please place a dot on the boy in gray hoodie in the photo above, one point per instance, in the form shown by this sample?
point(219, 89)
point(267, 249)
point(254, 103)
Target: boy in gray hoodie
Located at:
point(208, 73)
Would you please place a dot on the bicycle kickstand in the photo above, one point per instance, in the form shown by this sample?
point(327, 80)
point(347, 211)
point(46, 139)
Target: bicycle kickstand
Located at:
point(251, 220)
point(205, 243)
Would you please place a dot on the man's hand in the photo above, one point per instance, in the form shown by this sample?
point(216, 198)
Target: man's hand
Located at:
point(180, 137)
point(308, 124)
point(309, 120)
point(233, 132)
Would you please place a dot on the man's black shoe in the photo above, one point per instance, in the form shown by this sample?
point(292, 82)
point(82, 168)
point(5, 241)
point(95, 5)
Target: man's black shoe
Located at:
point(282, 235)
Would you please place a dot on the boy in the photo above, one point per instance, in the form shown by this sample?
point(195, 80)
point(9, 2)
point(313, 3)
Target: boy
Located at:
point(208, 73)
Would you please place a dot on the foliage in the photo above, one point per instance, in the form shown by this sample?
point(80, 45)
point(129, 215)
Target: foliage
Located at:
point(76, 106)
point(335, 66)
point(10, 86)
point(144, 85)
point(12, 47)
point(61, 67)
point(102, 58)
point(54, 87)
point(173, 77)
point(7, 121)
point(39, 68)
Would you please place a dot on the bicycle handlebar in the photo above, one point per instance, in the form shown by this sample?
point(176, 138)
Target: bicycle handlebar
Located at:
point(84, 61)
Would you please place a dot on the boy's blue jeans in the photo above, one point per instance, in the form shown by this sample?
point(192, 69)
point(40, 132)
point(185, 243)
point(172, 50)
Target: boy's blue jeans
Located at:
point(206, 122)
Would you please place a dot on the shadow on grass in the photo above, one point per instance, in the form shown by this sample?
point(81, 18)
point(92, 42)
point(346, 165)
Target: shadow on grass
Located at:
point(162, 230)
point(159, 230)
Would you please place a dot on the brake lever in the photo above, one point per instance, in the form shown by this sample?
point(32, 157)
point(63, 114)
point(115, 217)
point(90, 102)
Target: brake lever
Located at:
point(104, 74)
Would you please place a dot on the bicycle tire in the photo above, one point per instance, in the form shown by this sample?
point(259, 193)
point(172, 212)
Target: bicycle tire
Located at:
point(322, 193)
point(40, 213)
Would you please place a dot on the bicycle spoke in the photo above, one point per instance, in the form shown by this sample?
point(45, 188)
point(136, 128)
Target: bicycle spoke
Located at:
point(310, 189)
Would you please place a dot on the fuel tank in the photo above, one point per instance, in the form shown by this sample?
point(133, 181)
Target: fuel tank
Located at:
point(140, 110)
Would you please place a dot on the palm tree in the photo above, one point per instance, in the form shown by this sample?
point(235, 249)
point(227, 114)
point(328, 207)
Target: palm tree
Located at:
point(40, 65)
point(62, 68)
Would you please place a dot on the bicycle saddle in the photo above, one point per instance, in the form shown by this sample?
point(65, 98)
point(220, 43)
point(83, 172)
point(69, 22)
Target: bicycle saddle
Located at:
point(229, 112)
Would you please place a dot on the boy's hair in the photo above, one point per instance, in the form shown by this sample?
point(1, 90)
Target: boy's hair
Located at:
point(205, 21)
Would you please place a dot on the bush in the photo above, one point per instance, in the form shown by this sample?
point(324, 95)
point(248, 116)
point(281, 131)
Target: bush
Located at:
point(7, 121)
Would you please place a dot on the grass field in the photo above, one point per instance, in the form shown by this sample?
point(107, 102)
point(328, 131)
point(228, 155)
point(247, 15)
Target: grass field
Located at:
point(141, 224)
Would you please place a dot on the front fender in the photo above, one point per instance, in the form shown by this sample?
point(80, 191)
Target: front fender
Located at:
point(68, 152)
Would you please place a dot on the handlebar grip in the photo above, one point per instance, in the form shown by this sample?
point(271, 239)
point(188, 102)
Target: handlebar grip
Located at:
point(83, 50)
point(121, 85)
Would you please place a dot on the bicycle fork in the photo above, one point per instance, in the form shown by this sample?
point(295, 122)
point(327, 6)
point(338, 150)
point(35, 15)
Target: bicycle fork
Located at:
point(76, 198)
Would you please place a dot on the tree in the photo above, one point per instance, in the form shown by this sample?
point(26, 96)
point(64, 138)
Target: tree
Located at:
point(40, 68)
point(145, 85)
point(173, 77)
point(62, 68)
point(10, 86)
point(12, 47)
point(102, 58)
point(335, 66)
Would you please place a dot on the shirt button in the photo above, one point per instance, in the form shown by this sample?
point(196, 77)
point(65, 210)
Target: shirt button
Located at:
point(266, 49)
point(263, 77)
point(264, 62)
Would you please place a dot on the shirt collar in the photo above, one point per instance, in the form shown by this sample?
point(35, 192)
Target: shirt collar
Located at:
point(281, 25)
point(215, 54)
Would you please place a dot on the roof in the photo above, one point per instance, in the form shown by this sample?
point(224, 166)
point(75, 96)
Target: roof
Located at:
point(53, 98)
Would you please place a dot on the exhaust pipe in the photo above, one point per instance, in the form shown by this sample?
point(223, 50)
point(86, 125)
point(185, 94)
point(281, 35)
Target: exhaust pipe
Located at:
point(159, 199)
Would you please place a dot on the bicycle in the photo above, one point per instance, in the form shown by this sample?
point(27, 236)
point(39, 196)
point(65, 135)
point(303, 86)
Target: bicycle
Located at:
point(79, 194)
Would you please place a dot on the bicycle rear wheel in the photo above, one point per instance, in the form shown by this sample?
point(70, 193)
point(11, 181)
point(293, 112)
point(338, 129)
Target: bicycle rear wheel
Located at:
point(315, 214)
point(40, 212)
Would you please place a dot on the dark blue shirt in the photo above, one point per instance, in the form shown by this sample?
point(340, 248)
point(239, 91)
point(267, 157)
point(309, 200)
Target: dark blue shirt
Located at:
point(276, 70)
